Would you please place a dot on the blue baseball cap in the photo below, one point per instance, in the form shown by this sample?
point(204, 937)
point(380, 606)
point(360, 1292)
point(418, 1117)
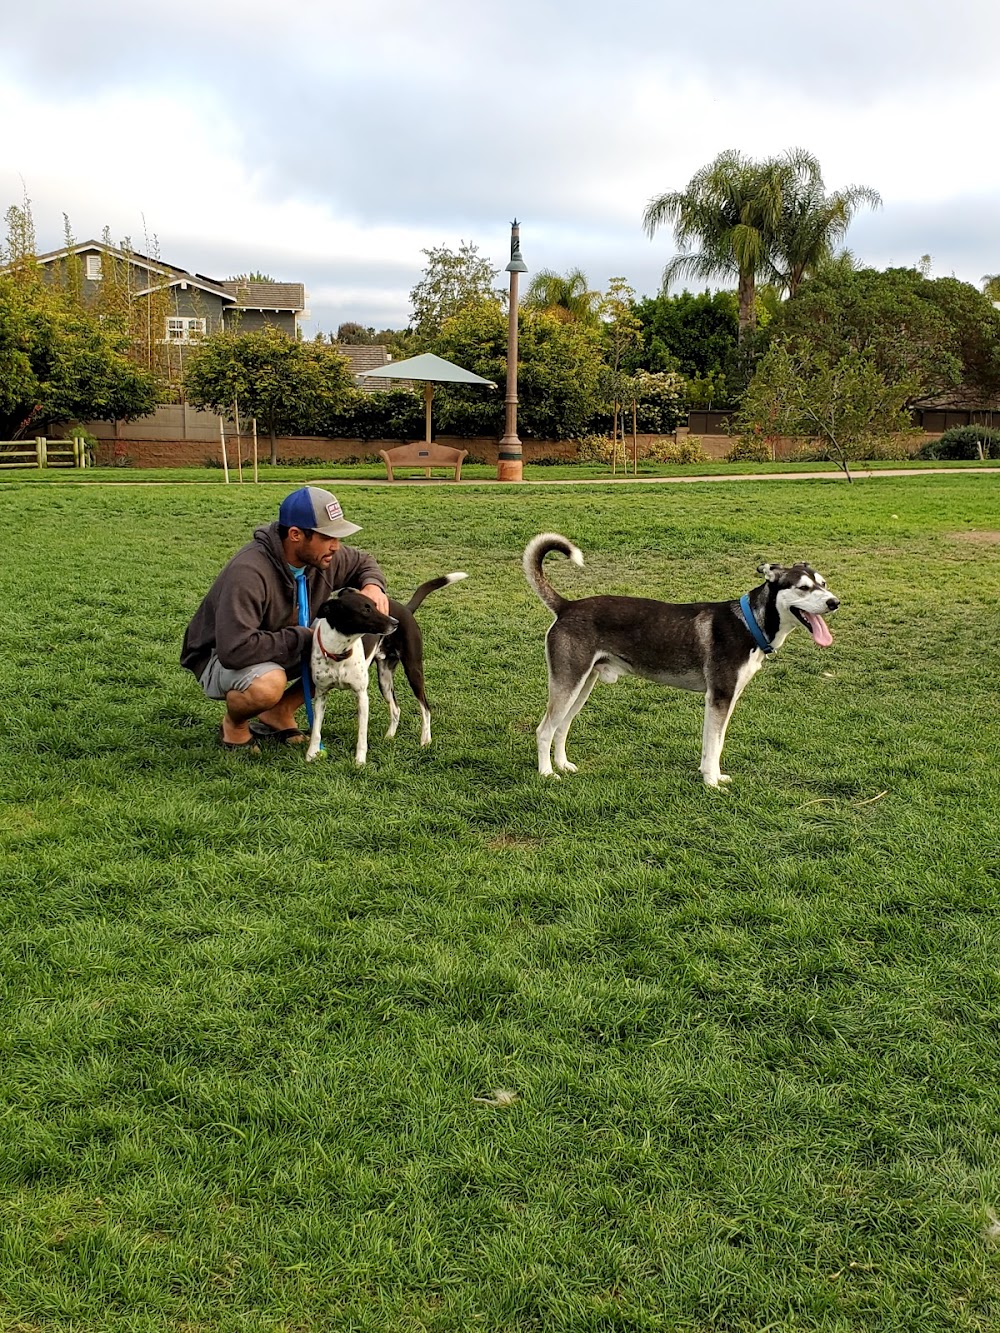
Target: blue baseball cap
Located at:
point(310, 507)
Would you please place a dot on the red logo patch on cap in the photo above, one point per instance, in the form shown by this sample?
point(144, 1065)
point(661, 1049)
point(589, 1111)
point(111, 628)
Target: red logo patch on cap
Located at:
point(334, 510)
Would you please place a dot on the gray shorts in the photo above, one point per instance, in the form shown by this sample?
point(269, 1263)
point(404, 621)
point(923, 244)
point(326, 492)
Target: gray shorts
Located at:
point(217, 680)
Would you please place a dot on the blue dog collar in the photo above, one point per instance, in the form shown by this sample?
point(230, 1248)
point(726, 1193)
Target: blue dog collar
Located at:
point(760, 638)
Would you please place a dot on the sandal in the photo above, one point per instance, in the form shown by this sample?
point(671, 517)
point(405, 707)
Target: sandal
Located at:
point(278, 735)
point(241, 747)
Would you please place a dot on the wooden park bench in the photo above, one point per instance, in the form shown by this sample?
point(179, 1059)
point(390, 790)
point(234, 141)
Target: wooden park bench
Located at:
point(425, 455)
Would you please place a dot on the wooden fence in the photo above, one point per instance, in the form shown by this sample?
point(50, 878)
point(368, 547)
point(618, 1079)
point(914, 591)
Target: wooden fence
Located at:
point(41, 452)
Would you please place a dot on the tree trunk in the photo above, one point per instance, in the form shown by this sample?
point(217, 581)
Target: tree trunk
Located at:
point(748, 310)
point(274, 446)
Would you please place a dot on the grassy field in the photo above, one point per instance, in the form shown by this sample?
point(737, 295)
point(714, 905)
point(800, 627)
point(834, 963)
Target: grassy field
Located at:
point(255, 1013)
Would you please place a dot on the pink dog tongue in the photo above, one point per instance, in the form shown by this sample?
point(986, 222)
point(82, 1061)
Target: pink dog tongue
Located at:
point(818, 629)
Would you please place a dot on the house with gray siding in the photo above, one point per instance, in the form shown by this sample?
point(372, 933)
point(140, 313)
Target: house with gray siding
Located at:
point(195, 305)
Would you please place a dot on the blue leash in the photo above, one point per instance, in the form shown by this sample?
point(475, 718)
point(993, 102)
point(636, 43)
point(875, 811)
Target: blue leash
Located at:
point(302, 594)
point(760, 638)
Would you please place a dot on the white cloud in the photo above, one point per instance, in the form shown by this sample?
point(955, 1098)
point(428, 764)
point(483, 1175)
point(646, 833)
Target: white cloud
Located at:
point(334, 141)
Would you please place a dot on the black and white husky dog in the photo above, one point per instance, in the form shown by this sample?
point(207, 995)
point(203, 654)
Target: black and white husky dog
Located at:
point(713, 648)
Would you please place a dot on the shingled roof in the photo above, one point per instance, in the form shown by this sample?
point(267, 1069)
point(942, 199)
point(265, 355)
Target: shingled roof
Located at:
point(266, 295)
point(370, 356)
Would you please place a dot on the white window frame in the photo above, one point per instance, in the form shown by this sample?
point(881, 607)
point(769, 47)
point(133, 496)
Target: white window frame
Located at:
point(93, 268)
point(184, 329)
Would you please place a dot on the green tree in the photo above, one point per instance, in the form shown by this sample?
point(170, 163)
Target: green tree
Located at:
point(660, 398)
point(452, 280)
point(568, 296)
point(846, 403)
point(59, 364)
point(558, 374)
point(811, 225)
point(695, 335)
point(991, 286)
point(287, 384)
point(352, 334)
point(732, 211)
point(399, 343)
point(933, 333)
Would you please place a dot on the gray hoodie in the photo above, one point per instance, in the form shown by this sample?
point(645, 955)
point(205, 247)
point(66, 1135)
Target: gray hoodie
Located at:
point(249, 614)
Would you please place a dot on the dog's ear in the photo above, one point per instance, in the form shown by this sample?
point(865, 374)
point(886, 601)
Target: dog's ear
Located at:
point(770, 572)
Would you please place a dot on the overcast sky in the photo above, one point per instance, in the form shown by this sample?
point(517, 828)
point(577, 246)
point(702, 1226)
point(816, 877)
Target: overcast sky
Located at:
point(330, 142)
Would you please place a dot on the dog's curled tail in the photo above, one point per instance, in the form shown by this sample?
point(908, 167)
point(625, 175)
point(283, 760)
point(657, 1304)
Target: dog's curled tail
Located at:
point(432, 585)
point(534, 553)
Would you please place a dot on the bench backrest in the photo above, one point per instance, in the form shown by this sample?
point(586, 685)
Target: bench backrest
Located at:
point(424, 454)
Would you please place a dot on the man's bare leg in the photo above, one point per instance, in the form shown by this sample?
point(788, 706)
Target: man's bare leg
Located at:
point(266, 698)
point(282, 716)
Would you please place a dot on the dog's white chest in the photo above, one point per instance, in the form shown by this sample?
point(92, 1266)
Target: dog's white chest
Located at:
point(348, 673)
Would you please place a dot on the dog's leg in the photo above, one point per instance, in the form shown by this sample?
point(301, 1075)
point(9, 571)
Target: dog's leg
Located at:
point(719, 707)
point(559, 714)
point(319, 707)
point(361, 749)
point(385, 683)
point(415, 675)
point(562, 731)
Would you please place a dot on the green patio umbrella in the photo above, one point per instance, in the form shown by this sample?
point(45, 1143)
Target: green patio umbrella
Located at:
point(431, 370)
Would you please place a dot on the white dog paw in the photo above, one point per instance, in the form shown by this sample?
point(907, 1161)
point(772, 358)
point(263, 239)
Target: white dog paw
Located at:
point(567, 767)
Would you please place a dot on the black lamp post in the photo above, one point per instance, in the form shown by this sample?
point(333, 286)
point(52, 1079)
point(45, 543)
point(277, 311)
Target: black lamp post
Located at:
point(509, 460)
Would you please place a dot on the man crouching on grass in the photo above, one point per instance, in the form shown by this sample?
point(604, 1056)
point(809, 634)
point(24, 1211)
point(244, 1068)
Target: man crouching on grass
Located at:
point(245, 644)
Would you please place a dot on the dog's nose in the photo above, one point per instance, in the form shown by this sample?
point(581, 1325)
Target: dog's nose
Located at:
point(832, 603)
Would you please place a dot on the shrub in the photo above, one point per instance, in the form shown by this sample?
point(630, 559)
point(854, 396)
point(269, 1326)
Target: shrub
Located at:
point(810, 452)
point(594, 449)
point(393, 414)
point(313, 461)
point(892, 447)
point(963, 442)
point(687, 450)
point(749, 450)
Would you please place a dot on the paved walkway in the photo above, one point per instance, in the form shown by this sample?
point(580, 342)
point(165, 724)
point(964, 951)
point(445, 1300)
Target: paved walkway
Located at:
point(859, 475)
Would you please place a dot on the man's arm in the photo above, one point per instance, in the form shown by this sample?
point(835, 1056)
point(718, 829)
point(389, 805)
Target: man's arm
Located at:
point(239, 639)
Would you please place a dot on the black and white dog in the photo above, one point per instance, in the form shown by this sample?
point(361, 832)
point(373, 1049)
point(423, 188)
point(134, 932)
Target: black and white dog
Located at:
point(348, 633)
point(714, 647)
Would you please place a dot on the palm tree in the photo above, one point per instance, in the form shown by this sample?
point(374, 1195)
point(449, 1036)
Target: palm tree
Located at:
point(568, 298)
point(812, 223)
point(732, 210)
point(991, 286)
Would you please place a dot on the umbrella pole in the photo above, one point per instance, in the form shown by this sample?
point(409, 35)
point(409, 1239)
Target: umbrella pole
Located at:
point(428, 399)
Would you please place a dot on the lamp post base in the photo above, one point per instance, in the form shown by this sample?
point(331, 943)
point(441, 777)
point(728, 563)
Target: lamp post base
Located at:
point(510, 464)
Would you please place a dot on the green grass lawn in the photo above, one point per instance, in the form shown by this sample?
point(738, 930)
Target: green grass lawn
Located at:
point(255, 1011)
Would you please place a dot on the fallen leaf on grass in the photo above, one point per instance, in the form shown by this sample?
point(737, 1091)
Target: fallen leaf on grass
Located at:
point(872, 798)
point(498, 1097)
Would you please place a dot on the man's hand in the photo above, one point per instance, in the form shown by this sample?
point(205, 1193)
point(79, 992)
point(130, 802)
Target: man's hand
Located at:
point(375, 593)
